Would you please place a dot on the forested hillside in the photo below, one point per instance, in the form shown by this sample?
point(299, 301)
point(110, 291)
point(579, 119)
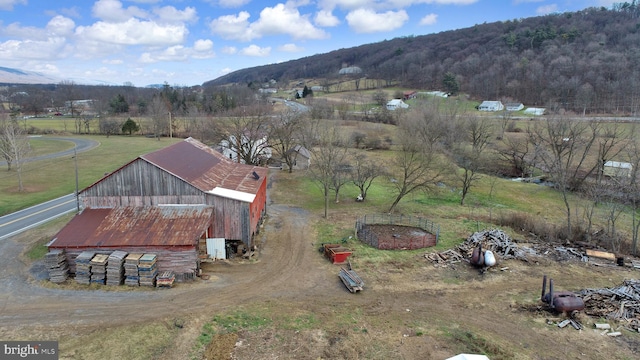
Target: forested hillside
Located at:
point(585, 62)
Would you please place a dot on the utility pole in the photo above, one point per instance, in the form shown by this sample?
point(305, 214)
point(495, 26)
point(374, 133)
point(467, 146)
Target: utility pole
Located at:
point(75, 159)
point(170, 127)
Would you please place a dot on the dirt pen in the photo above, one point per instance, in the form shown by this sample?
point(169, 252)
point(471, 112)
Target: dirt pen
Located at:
point(394, 232)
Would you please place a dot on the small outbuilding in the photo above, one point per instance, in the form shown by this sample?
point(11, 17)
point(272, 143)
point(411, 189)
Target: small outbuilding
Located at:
point(617, 169)
point(300, 157)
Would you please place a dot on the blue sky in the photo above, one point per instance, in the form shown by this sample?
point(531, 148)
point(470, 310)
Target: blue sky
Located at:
point(186, 43)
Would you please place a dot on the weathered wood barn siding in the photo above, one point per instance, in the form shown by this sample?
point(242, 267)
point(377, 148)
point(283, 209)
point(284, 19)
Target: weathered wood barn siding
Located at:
point(183, 260)
point(230, 219)
point(238, 220)
point(140, 183)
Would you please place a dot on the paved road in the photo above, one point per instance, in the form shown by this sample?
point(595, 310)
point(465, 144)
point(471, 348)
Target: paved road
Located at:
point(26, 219)
point(23, 220)
point(81, 145)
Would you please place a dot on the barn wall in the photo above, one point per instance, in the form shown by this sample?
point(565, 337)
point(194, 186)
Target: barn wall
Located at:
point(258, 207)
point(230, 219)
point(180, 260)
point(140, 183)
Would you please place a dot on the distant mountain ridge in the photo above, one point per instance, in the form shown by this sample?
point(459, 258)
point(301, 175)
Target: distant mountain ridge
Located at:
point(585, 61)
point(17, 76)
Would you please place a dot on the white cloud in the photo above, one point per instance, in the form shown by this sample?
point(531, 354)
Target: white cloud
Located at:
point(202, 49)
point(134, 32)
point(9, 4)
point(232, 27)
point(60, 26)
point(112, 10)
point(113, 61)
point(233, 3)
point(385, 4)
point(171, 14)
point(326, 19)
point(278, 20)
point(429, 19)
point(203, 45)
point(290, 48)
point(230, 50)
point(18, 51)
point(368, 21)
point(255, 50)
point(547, 9)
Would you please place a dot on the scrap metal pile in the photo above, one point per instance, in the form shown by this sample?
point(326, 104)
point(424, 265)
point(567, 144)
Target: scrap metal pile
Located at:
point(504, 248)
point(621, 303)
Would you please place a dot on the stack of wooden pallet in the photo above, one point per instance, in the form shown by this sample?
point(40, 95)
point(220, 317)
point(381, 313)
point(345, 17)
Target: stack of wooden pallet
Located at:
point(56, 263)
point(148, 270)
point(99, 268)
point(165, 279)
point(83, 267)
point(115, 268)
point(131, 269)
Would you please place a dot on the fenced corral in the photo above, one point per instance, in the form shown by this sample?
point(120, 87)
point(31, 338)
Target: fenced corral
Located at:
point(391, 232)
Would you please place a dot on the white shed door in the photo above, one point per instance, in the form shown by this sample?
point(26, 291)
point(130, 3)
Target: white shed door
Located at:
point(216, 248)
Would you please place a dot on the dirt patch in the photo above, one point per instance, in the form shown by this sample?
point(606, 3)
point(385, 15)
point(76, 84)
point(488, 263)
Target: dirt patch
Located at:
point(396, 237)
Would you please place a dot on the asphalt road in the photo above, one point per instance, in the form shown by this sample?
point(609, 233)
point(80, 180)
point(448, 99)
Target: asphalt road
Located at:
point(81, 145)
point(25, 219)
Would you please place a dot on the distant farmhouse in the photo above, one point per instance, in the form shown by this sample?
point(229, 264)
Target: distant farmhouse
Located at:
point(514, 106)
point(396, 104)
point(491, 106)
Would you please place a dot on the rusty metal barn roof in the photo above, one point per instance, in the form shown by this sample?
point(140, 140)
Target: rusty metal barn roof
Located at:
point(170, 225)
point(205, 168)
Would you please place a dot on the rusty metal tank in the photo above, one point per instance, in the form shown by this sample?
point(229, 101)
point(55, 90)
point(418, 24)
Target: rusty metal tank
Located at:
point(561, 301)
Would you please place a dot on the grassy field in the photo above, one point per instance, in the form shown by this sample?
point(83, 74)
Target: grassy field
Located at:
point(48, 179)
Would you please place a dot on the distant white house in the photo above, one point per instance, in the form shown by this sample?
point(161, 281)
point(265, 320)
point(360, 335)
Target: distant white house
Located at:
point(514, 106)
point(617, 169)
point(491, 106)
point(259, 148)
point(396, 104)
point(534, 111)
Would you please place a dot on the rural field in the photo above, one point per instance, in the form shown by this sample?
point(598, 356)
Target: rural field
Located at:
point(288, 302)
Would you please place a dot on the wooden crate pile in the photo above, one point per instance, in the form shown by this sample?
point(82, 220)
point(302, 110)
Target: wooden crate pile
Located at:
point(165, 279)
point(147, 269)
point(99, 268)
point(83, 267)
point(56, 263)
point(131, 270)
point(115, 268)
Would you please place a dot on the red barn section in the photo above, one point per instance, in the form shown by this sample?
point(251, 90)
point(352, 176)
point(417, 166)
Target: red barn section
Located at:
point(185, 175)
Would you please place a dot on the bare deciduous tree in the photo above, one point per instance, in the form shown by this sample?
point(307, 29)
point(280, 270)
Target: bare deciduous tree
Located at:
point(244, 135)
point(364, 172)
point(285, 133)
point(417, 163)
point(329, 154)
point(476, 134)
point(564, 145)
point(14, 145)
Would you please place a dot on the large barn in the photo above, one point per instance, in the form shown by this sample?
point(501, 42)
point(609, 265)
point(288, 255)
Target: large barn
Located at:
point(185, 203)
